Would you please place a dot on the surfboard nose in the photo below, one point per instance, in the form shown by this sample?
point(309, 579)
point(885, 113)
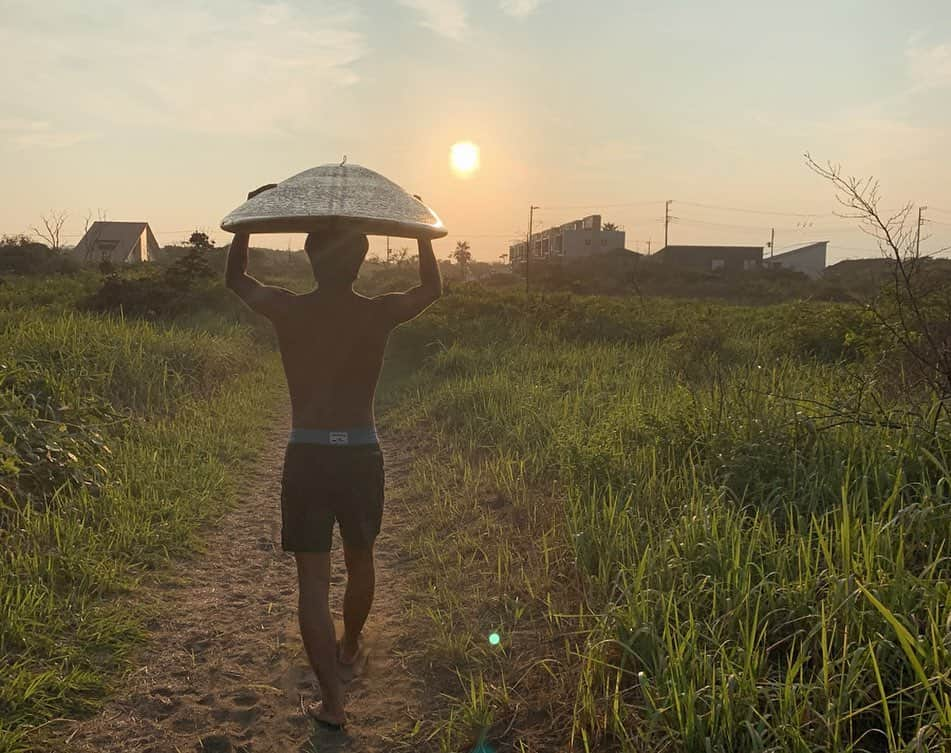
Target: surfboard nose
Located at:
point(369, 202)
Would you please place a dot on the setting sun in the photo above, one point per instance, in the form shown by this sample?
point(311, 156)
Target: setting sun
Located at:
point(464, 158)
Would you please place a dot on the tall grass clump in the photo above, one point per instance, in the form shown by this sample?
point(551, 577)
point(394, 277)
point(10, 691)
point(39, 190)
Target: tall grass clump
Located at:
point(749, 525)
point(117, 439)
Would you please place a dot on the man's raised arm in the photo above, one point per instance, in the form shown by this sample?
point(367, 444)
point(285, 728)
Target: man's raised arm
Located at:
point(264, 299)
point(401, 307)
point(430, 281)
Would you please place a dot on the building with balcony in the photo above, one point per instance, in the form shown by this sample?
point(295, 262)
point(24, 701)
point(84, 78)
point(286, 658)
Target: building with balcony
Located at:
point(574, 239)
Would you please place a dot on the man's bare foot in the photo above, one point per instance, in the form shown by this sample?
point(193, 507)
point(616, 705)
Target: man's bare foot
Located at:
point(326, 718)
point(351, 664)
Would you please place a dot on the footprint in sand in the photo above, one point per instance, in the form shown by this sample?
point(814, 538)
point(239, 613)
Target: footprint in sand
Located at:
point(244, 717)
point(246, 698)
point(161, 704)
point(215, 744)
point(184, 724)
point(297, 680)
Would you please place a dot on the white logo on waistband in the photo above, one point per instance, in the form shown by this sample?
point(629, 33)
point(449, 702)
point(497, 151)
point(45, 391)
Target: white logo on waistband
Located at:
point(339, 437)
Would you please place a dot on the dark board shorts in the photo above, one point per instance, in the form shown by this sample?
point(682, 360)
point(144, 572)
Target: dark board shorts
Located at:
point(322, 484)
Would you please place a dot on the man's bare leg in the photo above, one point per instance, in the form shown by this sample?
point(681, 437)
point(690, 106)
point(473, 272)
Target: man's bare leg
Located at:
point(357, 600)
point(317, 630)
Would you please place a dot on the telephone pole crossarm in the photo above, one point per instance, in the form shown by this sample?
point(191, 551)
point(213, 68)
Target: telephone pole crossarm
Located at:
point(918, 230)
point(667, 219)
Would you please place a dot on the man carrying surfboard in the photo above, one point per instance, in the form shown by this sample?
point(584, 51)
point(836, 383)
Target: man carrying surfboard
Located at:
point(332, 341)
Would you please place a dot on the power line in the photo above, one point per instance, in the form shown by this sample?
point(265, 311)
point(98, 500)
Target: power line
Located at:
point(755, 211)
point(600, 206)
point(485, 235)
point(797, 228)
point(154, 232)
point(854, 248)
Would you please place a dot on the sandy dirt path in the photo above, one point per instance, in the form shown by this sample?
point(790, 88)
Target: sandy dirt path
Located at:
point(224, 668)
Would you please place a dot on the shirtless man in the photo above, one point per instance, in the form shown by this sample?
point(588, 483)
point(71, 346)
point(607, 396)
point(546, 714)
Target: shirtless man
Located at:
point(332, 341)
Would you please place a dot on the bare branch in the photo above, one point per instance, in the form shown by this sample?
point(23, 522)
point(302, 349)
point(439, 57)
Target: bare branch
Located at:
point(914, 308)
point(52, 227)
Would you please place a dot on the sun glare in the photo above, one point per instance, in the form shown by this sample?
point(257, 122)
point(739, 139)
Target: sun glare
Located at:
point(464, 158)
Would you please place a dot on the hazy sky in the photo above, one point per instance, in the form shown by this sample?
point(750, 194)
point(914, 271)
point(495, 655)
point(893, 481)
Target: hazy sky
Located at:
point(170, 111)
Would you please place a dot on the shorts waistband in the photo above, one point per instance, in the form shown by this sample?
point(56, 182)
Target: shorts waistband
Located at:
point(359, 437)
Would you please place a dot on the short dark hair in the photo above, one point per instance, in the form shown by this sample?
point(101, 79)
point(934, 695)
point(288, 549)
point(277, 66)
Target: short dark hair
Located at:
point(336, 256)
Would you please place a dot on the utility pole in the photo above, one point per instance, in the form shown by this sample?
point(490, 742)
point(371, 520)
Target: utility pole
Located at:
point(387, 250)
point(772, 241)
point(648, 246)
point(667, 219)
point(918, 231)
point(528, 242)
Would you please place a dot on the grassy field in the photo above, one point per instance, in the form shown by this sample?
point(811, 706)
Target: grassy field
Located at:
point(117, 439)
point(124, 409)
point(694, 527)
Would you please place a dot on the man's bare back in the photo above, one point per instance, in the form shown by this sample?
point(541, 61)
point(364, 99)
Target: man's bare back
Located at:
point(332, 347)
point(332, 339)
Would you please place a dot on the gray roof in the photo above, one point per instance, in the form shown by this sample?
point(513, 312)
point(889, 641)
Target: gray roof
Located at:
point(711, 250)
point(807, 248)
point(117, 242)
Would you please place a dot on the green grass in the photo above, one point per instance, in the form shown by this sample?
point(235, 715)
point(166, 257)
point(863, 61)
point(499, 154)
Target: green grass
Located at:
point(117, 440)
point(697, 528)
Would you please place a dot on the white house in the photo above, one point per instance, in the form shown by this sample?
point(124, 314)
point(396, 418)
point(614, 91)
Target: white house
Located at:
point(809, 259)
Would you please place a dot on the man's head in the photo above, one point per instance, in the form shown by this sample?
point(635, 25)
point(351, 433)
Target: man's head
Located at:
point(336, 256)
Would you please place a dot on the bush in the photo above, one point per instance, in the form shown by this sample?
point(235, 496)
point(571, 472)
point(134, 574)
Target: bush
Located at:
point(46, 441)
point(21, 256)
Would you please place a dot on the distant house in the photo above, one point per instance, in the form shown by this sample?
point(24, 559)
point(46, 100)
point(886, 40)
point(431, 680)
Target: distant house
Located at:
point(809, 259)
point(582, 237)
point(712, 258)
point(118, 243)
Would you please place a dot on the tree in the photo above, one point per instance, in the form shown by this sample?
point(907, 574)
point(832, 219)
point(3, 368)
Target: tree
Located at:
point(914, 308)
point(399, 256)
point(52, 227)
point(462, 256)
point(194, 266)
point(609, 226)
point(19, 240)
point(100, 217)
point(200, 241)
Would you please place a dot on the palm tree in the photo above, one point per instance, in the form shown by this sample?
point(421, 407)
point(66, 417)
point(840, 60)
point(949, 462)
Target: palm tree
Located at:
point(609, 226)
point(462, 256)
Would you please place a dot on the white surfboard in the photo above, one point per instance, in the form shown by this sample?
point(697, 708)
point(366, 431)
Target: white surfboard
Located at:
point(363, 199)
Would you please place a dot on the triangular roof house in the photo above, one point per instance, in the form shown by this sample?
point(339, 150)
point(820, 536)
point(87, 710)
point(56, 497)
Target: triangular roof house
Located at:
point(118, 243)
point(809, 259)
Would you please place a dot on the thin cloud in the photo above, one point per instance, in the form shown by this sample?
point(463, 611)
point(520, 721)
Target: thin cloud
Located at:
point(929, 67)
point(612, 152)
point(520, 8)
point(23, 132)
point(444, 17)
point(226, 67)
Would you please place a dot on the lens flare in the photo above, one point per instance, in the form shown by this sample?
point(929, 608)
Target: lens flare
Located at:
point(464, 158)
point(494, 639)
